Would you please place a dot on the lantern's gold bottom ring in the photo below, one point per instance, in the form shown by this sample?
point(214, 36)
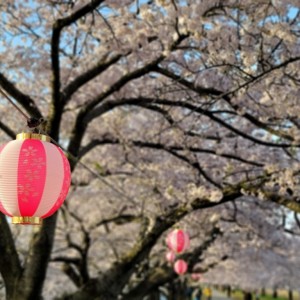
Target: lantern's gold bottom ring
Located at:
point(27, 220)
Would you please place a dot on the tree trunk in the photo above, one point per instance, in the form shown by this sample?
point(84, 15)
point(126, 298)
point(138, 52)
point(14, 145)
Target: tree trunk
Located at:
point(263, 292)
point(228, 291)
point(172, 291)
point(275, 295)
point(291, 294)
point(28, 283)
point(154, 295)
point(247, 296)
point(177, 290)
point(182, 290)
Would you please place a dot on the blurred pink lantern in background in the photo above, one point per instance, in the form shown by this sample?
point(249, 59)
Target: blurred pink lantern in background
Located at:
point(196, 276)
point(180, 267)
point(178, 241)
point(35, 178)
point(170, 256)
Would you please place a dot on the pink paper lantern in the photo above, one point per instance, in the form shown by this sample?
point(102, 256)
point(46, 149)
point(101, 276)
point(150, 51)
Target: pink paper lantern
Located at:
point(180, 267)
point(34, 178)
point(178, 241)
point(170, 256)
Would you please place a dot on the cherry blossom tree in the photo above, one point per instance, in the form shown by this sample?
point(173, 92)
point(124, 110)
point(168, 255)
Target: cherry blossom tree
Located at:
point(166, 108)
point(261, 249)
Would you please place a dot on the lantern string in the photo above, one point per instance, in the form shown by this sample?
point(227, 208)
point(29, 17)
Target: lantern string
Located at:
point(31, 121)
point(76, 160)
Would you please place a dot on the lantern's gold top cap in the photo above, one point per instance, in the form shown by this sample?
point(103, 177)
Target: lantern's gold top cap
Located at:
point(33, 136)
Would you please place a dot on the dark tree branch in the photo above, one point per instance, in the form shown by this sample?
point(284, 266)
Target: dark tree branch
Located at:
point(25, 101)
point(173, 150)
point(84, 118)
point(142, 101)
point(297, 219)
point(119, 220)
point(84, 10)
point(290, 202)
point(213, 92)
point(82, 248)
point(7, 130)
point(196, 166)
point(66, 259)
point(86, 114)
point(82, 79)
point(158, 146)
point(172, 122)
point(58, 26)
point(72, 274)
point(220, 121)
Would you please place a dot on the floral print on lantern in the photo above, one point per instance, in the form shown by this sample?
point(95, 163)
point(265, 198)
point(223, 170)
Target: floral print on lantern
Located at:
point(31, 176)
point(24, 191)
